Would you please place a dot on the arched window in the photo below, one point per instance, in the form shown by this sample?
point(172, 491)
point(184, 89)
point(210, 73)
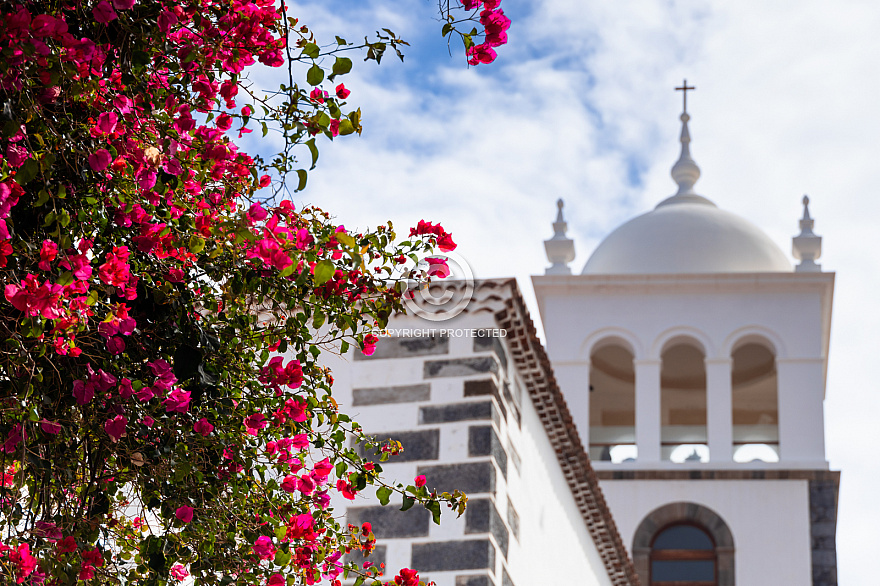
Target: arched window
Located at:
point(612, 403)
point(684, 433)
point(683, 555)
point(684, 544)
point(755, 403)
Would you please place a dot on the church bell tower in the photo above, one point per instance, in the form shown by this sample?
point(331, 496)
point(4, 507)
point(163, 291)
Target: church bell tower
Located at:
point(693, 357)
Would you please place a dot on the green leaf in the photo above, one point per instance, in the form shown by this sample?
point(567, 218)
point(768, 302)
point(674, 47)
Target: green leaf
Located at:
point(341, 66)
point(196, 244)
point(434, 507)
point(339, 41)
point(447, 28)
point(323, 272)
point(384, 495)
point(408, 502)
point(65, 279)
point(42, 199)
point(281, 532)
point(314, 75)
point(318, 320)
point(314, 150)
point(345, 127)
point(27, 172)
point(312, 50)
point(303, 177)
point(346, 239)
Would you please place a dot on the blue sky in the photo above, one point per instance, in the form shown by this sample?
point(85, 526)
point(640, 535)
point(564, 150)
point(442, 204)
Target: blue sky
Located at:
point(580, 105)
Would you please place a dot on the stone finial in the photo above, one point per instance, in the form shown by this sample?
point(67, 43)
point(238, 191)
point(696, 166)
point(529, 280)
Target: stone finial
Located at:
point(806, 246)
point(560, 248)
point(685, 172)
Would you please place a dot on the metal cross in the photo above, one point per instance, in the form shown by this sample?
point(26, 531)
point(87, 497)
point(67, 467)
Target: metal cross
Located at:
point(684, 90)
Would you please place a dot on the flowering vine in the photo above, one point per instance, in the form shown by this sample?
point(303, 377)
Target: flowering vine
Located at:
point(163, 410)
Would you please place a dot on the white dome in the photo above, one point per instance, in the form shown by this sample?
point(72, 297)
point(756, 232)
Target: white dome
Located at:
point(687, 234)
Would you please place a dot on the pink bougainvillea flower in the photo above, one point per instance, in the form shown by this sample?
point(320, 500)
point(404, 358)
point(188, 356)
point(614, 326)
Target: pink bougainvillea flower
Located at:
point(481, 53)
point(203, 427)
point(256, 213)
point(107, 122)
point(289, 483)
point(420, 480)
point(115, 345)
point(115, 271)
point(177, 401)
point(342, 92)
point(264, 548)
point(50, 427)
point(184, 513)
point(13, 439)
point(100, 160)
point(123, 4)
point(301, 527)
point(437, 267)
point(255, 422)
point(123, 104)
point(276, 580)
point(48, 252)
point(115, 427)
point(66, 545)
point(303, 239)
point(104, 13)
point(125, 389)
point(346, 489)
point(323, 468)
point(178, 572)
point(16, 155)
point(305, 484)
point(470, 4)
point(83, 392)
point(148, 421)
point(300, 441)
point(23, 561)
point(166, 20)
point(370, 342)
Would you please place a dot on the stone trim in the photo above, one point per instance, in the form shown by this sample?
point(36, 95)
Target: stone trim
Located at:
point(396, 394)
point(445, 556)
point(699, 474)
point(390, 522)
point(683, 512)
point(398, 347)
point(460, 366)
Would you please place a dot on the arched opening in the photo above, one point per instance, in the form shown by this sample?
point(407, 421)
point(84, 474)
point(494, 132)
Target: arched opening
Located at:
point(683, 554)
point(755, 403)
point(686, 544)
point(683, 432)
point(612, 403)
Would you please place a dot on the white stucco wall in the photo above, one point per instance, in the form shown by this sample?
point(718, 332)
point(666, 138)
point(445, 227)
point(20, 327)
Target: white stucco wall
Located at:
point(769, 520)
point(555, 547)
point(791, 311)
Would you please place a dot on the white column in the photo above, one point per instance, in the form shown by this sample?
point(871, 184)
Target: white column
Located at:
point(648, 410)
point(573, 379)
point(801, 413)
point(719, 409)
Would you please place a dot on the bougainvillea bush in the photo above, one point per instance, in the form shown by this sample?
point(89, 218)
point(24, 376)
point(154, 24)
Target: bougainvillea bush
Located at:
point(164, 415)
